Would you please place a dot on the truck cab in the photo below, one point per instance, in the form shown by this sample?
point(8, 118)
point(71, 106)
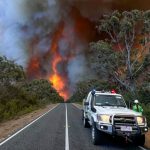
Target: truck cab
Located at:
point(107, 112)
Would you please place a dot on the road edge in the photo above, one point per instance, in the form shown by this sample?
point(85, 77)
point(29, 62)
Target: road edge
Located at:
point(16, 133)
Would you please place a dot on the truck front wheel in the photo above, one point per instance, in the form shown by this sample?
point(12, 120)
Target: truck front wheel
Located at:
point(86, 123)
point(82, 115)
point(96, 135)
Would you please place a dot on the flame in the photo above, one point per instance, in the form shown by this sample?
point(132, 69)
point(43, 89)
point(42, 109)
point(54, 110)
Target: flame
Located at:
point(79, 21)
point(58, 80)
point(81, 30)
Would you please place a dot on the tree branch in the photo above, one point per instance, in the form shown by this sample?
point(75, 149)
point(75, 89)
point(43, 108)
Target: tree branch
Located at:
point(111, 36)
point(128, 57)
point(120, 81)
point(139, 68)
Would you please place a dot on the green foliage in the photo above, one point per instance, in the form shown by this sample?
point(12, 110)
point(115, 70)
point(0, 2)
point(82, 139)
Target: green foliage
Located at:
point(146, 113)
point(14, 100)
point(10, 73)
point(43, 90)
point(19, 96)
point(105, 59)
point(123, 56)
point(144, 95)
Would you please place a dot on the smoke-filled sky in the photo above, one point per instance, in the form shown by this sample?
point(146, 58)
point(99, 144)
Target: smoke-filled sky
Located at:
point(50, 37)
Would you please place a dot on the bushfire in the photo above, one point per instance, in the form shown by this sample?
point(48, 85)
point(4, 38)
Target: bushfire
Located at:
point(69, 29)
point(81, 25)
point(65, 46)
point(56, 78)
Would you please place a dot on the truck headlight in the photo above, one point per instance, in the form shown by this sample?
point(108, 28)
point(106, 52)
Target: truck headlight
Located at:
point(141, 120)
point(104, 118)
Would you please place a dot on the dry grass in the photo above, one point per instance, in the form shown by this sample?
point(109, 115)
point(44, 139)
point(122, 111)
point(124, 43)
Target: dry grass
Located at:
point(9, 127)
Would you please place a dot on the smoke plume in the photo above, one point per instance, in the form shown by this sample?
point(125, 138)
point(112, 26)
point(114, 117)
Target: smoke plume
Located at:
point(50, 37)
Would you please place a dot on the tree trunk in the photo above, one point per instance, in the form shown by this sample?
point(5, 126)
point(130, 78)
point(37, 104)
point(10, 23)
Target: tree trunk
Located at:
point(132, 88)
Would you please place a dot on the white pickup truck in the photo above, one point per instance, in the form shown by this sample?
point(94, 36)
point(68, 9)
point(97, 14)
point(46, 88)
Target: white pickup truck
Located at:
point(107, 112)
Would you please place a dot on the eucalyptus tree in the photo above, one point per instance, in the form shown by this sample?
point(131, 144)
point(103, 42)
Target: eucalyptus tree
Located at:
point(125, 52)
point(10, 73)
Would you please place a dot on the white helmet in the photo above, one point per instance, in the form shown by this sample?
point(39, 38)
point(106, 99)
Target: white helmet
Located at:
point(136, 101)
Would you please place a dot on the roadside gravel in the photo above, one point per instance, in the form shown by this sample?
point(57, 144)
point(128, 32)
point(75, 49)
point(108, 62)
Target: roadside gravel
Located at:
point(9, 127)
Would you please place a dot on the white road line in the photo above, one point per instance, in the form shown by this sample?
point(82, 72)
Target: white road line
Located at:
point(66, 135)
point(26, 126)
point(142, 148)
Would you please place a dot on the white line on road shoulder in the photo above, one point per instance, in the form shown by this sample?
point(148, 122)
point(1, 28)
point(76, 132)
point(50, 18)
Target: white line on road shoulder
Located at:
point(66, 135)
point(26, 126)
point(142, 148)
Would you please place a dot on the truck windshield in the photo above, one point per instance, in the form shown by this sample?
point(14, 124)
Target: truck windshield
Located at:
point(109, 100)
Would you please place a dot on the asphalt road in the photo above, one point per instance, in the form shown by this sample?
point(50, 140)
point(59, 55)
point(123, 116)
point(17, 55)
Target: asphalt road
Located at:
point(49, 133)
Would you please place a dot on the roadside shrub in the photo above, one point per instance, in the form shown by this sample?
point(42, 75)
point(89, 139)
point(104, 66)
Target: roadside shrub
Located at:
point(146, 113)
point(22, 98)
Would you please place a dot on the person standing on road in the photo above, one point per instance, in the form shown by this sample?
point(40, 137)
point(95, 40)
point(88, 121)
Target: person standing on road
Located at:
point(137, 107)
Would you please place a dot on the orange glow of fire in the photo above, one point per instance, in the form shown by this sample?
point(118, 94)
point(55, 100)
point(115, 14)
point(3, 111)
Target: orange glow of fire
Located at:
point(83, 29)
point(33, 68)
point(57, 80)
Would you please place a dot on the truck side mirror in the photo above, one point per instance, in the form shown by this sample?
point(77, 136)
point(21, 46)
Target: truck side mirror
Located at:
point(86, 103)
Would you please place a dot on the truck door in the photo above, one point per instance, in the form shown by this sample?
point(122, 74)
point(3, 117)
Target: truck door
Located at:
point(90, 112)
